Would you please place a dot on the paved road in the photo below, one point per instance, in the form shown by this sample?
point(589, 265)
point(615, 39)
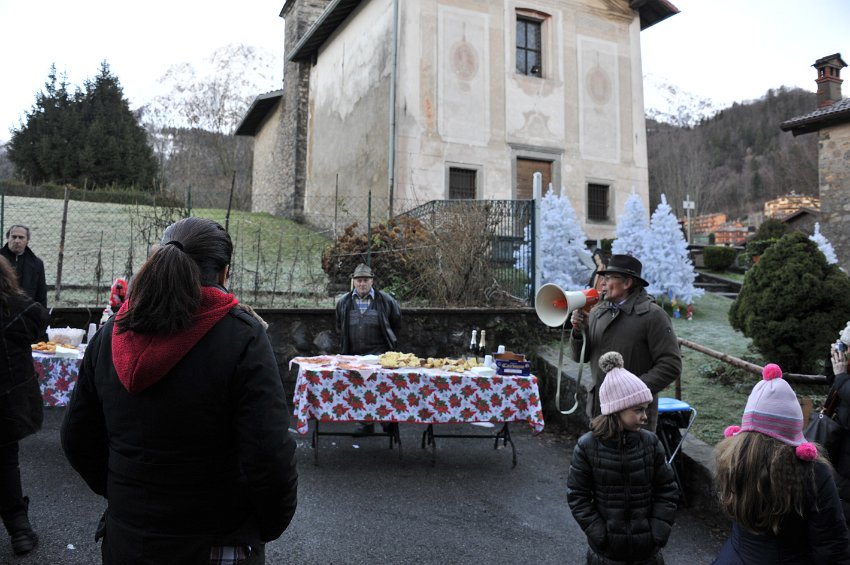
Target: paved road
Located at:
point(361, 505)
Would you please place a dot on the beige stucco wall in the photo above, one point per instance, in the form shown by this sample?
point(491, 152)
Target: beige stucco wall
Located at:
point(461, 103)
point(348, 128)
point(834, 180)
point(266, 192)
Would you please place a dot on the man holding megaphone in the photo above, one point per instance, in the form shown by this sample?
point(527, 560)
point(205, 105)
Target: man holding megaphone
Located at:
point(628, 321)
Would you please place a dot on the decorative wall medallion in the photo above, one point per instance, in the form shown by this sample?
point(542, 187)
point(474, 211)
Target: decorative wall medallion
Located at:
point(464, 60)
point(598, 85)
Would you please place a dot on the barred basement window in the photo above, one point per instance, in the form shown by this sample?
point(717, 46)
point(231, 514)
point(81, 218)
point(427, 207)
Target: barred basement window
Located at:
point(597, 202)
point(462, 183)
point(529, 51)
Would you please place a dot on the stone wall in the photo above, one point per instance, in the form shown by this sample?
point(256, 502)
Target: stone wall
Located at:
point(299, 16)
point(425, 332)
point(834, 176)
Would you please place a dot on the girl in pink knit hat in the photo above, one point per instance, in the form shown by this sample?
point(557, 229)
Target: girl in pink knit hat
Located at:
point(621, 490)
point(776, 487)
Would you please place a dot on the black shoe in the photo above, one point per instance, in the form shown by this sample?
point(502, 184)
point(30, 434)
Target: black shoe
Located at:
point(24, 541)
point(364, 429)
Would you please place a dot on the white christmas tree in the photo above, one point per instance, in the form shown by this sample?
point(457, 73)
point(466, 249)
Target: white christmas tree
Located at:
point(561, 252)
point(824, 245)
point(666, 265)
point(632, 229)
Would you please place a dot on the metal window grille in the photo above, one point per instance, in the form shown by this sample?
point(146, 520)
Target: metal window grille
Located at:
point(529, 55)
point(462, 183)
point(597, 201)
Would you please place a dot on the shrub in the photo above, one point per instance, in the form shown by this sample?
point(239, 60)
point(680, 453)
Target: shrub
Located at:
point(772, 228)
point(718, 258)
point(792, 304)
point(396, 247)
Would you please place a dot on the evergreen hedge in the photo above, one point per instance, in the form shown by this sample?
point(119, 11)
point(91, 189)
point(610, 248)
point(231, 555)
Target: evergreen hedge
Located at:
point(718, 258)
point(115, 196)
point(793, 304)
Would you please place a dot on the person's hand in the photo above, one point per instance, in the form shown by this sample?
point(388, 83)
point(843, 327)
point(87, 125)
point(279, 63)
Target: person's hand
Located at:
point(839, 361)
point(578, 319)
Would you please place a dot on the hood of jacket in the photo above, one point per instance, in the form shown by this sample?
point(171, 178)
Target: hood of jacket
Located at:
point(142, 360)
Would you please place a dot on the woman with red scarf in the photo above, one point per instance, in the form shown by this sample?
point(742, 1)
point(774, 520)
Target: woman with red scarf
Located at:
point(178, 417)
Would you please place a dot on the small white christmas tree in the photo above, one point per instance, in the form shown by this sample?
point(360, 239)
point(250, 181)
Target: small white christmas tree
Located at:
point(666, 265)
point(824, 245)
point(561, 252)
point(632, 229)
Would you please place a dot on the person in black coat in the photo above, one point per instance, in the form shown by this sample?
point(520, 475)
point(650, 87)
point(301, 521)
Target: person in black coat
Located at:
point(776, 487)
point(29, 268)
point(179, 418)
point(840, 381)
point(621, 490)
point(367, 319)
point(21, 322)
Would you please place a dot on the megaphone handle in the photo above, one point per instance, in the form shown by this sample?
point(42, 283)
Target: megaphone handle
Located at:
point(560, 365)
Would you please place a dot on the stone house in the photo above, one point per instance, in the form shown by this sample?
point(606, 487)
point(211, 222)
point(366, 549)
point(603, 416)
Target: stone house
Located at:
point(454, 99)
point(831, 122)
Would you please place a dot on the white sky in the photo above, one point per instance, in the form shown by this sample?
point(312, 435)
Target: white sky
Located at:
point(735, 50)
point(725, 50)
point(139, 40)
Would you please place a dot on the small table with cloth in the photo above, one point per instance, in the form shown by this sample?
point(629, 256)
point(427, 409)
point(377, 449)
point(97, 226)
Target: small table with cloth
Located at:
point(56, 376)
point(349, 388)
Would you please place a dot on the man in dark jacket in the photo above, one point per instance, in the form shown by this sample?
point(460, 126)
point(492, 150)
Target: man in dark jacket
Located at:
point(367, 322)
point(628, 321)
point(30, 269)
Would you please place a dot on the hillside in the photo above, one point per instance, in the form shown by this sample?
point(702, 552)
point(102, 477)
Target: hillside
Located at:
point(737, 159)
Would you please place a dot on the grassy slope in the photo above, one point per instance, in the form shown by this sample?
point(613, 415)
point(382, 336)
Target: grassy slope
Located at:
point(719, 404)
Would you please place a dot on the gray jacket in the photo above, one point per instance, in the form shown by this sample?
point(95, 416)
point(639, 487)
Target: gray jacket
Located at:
point(642, 332)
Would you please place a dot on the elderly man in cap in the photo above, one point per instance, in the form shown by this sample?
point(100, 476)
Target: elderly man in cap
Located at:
point(367, 320)
point(628, 321)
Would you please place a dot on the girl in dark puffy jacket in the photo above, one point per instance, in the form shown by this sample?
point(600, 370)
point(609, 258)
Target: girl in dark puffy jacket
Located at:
point(776, 487)
point(622, 491)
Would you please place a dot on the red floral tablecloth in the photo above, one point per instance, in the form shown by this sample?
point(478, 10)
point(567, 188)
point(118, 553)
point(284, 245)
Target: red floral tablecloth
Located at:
point(345, 389)
point(57, 377)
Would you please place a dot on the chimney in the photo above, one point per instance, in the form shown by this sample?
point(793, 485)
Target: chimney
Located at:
point(829, 79)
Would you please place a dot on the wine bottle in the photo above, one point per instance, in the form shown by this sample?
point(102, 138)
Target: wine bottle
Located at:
point(482, 345)
point(472, 350)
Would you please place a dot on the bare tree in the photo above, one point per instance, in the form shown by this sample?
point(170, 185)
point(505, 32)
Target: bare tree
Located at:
point(192, 125)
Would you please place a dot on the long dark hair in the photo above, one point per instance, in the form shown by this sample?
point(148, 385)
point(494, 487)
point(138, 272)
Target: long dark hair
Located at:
point(9, 287)
point(760, 481)
point(167, 289)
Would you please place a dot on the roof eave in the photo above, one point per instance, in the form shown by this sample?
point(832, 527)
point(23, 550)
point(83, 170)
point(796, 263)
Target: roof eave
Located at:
point(260, 108)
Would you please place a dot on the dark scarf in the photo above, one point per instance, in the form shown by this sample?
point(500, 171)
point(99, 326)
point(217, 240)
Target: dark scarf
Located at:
point(141, 360)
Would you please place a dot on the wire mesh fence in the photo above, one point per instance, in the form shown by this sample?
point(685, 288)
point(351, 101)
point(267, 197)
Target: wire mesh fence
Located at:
point(276, 263)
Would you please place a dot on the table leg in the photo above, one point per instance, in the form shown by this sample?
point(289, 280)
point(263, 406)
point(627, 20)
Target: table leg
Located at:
point(315, 444)
point(505, 435)
point(428, 438)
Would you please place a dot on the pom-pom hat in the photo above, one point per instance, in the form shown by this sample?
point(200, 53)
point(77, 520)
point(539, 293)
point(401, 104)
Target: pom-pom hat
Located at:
point(773, 410)
point(620, 389)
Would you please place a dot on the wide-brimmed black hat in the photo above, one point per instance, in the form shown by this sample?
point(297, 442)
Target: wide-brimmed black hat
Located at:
point(626, 265)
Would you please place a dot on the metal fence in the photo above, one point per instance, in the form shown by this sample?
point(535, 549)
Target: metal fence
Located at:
point(276, 263)
point(509, 227)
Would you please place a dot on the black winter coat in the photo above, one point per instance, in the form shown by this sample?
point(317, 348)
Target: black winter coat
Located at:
point(21, 411)
point(841, 384)
point(623, 495)
point(820, 538)
point(30, 271)
point(203, 457)
point(388, 310)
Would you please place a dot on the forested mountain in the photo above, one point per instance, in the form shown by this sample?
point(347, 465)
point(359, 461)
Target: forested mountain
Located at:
point(736, 160)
